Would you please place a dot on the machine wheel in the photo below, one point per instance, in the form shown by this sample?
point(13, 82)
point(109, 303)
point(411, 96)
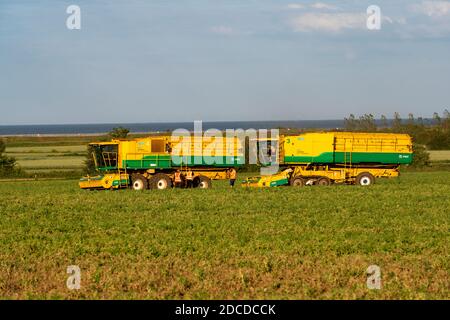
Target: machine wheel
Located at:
point(365, 179)
point(139, 182)
point(297, 182)
point(202, 182)
point(324, 181)
point(160, 181)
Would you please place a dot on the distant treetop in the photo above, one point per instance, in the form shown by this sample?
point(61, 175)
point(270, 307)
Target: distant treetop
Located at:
point(119, 133)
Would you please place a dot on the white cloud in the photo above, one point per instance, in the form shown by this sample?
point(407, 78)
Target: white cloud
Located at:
point(321, 5)
point(432, 8)
point(222, 30)
point(328, 22)
point(317, 5)
point(295, 6)
point(315, 19)
point(438, 27)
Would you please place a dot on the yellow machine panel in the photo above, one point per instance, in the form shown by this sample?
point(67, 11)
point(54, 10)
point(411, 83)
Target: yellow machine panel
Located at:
point(307, 147)
point(347, 148)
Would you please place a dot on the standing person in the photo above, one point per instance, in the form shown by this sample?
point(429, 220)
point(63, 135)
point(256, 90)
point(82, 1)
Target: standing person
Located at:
point(177, 179)
point(232, 176)
point(190, 178)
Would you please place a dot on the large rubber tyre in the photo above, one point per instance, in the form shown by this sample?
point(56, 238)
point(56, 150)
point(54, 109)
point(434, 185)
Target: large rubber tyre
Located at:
point(297, 182)
point(139, 182)
point(202, 182)
point(324, 181)
point(365, 179)
point(160, 181)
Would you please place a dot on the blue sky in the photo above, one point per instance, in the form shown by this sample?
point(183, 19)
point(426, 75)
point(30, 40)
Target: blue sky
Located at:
point(146, 61)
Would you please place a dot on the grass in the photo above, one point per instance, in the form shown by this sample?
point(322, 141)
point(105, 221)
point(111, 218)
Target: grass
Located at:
point(439, 155)
point(45, 150)
point(52, 163)
point(34, 159)
point(281, 243)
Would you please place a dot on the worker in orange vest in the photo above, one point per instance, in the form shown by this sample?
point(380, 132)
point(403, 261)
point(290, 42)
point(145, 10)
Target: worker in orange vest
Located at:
point(233, 175)
point(178, 179)
point(190, 178)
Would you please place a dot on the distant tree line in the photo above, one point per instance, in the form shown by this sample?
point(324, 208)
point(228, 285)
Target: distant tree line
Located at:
point(434, 134)
point(119, 133)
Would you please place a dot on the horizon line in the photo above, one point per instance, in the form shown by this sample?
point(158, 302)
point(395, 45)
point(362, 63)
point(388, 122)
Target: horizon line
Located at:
point(192, 121)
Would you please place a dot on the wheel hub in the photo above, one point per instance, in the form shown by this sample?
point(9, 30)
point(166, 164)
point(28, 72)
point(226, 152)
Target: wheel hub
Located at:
point(138, 185)
point(162, 184)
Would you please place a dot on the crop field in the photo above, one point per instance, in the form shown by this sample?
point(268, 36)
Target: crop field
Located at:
point(439, 155)
point(280, 243)
point(38, 158)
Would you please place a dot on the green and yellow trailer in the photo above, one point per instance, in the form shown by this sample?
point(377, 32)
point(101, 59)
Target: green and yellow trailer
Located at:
point(151, 162)
point(323, 158)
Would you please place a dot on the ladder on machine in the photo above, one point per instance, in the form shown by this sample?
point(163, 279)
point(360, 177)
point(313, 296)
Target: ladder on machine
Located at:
point(280, 151)
point(111, 160)
point(348, 157)
point(123, 184)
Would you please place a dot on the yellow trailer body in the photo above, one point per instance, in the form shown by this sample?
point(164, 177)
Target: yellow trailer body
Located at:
point(323, 158)
point(163, 152)
point(346, 148)
point(152, 162)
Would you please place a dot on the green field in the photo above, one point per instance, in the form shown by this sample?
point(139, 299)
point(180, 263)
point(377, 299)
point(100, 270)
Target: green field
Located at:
point(281, 243)
point(37, 158)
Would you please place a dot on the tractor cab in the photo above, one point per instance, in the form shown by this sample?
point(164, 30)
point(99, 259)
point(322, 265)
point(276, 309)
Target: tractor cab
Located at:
point(105, 155)
point(106, 160)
